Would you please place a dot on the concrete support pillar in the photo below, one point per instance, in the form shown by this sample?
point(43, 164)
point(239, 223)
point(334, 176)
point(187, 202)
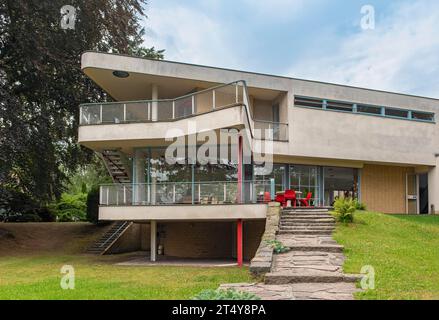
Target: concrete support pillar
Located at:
point(154, 105)
point(153, 240)
point(433, 188)
point(239, 242)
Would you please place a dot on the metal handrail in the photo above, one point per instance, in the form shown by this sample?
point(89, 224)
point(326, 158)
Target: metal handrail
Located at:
point(244, 103)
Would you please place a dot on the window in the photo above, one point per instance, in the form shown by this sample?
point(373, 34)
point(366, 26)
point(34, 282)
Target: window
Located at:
point(397, 113)
point(368, 109)
point(308, 102)
point(424, 116)
point(339, 106)
point(332, 105)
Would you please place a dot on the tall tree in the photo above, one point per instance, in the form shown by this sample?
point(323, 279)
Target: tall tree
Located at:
point(41, 84)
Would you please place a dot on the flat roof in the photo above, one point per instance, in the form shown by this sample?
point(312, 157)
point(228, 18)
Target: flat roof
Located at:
point(265, 74)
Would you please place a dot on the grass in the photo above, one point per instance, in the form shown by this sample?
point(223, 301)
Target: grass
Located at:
point(404, 251)
point(39, 277)
point(32, 254)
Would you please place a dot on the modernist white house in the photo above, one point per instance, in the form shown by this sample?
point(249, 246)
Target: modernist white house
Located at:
point(328, 140)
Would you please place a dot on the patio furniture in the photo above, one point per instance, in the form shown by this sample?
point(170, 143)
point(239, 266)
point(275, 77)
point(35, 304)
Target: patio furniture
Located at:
point(305, 201)
point(267, 197)
point(281, 199)
point(290, 195)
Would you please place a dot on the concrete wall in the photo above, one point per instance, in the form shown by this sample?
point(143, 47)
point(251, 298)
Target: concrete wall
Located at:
point(433, 189)
point(136, 238)
point(183, 212)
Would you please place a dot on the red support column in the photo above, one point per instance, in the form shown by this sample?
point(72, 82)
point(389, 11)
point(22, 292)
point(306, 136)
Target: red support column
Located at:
point(239, 242)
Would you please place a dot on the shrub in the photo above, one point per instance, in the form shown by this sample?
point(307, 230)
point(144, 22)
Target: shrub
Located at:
point(228, 294)
point(93, 205)
point(29, 217)
point(360, 206)
point(70, 208)
point(345, 209)
point(46, 215)
point(278, 246)
point(71, 215)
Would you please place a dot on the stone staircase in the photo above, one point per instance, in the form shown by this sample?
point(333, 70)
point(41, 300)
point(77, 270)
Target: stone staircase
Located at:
point(314, 257)
point(306, 222)
point(312, 269)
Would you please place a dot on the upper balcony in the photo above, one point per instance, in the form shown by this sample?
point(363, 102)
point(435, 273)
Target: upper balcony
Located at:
point(223, 106)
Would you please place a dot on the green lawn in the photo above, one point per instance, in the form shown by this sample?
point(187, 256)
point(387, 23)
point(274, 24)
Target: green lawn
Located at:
point(38, 277)
point(404, 250)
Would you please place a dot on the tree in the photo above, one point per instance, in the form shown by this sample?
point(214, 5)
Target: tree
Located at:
point(41, 84)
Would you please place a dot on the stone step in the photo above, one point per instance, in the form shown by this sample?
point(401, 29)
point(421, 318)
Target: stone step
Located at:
point(300, 232)
point(298, 209)
point(307, 228)
point(307, 224)
point(308, 220)
point(336, 248)
point(307, 275)
point(286, 211)
point(306, 214)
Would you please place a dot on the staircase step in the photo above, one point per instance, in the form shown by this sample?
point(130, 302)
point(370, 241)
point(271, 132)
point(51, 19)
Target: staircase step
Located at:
point(307, 228)
point(295, 232)
point(306, 224)
point(304, 275)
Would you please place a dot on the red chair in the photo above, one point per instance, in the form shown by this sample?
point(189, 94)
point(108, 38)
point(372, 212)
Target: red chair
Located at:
point(305, 202)
point(281, 199)
point(291, 195)
point(267, 197)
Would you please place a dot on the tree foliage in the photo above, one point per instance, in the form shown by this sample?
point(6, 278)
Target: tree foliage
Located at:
point(41, 84)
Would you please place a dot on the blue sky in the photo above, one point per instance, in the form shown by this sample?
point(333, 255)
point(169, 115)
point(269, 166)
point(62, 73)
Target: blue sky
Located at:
point(311, 39)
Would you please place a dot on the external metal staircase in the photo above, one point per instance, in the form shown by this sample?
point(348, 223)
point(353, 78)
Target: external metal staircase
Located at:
point(104, 243)
point(117, 166)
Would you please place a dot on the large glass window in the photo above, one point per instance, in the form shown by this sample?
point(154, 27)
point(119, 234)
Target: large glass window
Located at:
point(277, 173)
point(305, 179)
point(339, 183)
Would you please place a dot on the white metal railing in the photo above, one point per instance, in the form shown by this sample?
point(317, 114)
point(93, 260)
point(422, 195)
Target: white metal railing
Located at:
point(196, 103)
point(197, 193)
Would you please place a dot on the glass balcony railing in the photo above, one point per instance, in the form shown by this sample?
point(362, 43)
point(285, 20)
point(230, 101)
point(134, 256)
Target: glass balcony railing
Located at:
point(166, 110)
point(176, 193)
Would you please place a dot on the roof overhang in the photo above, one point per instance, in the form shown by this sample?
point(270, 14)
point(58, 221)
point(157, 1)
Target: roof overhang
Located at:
point(172, 78)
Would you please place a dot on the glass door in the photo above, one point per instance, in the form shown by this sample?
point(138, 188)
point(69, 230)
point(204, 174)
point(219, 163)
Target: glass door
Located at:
point(412, 196)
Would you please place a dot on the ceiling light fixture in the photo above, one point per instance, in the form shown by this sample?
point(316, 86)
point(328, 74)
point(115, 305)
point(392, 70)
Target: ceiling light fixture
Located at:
point(121, 74)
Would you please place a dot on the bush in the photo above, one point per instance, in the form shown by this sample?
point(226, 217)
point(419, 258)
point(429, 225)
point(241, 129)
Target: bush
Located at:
point(93, 205)
point(46, 215)
point(13, 201)
point(278, 246)
point(345, 209)
point(29, 217)
point(221, 294)
point(360, 206)
point(70, 208)
point(71, 215)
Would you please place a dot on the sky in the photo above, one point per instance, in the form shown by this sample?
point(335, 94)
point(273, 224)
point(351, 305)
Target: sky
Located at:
point(319, 40)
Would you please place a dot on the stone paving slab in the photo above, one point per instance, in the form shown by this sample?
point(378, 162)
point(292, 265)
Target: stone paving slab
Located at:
point(297, 291)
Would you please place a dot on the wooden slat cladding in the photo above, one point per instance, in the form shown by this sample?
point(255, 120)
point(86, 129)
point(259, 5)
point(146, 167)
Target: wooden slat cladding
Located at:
point(383, 188)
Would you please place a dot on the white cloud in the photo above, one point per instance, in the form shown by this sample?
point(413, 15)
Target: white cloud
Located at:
point(189, 35)
point(278, 9)
point(401, 54)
